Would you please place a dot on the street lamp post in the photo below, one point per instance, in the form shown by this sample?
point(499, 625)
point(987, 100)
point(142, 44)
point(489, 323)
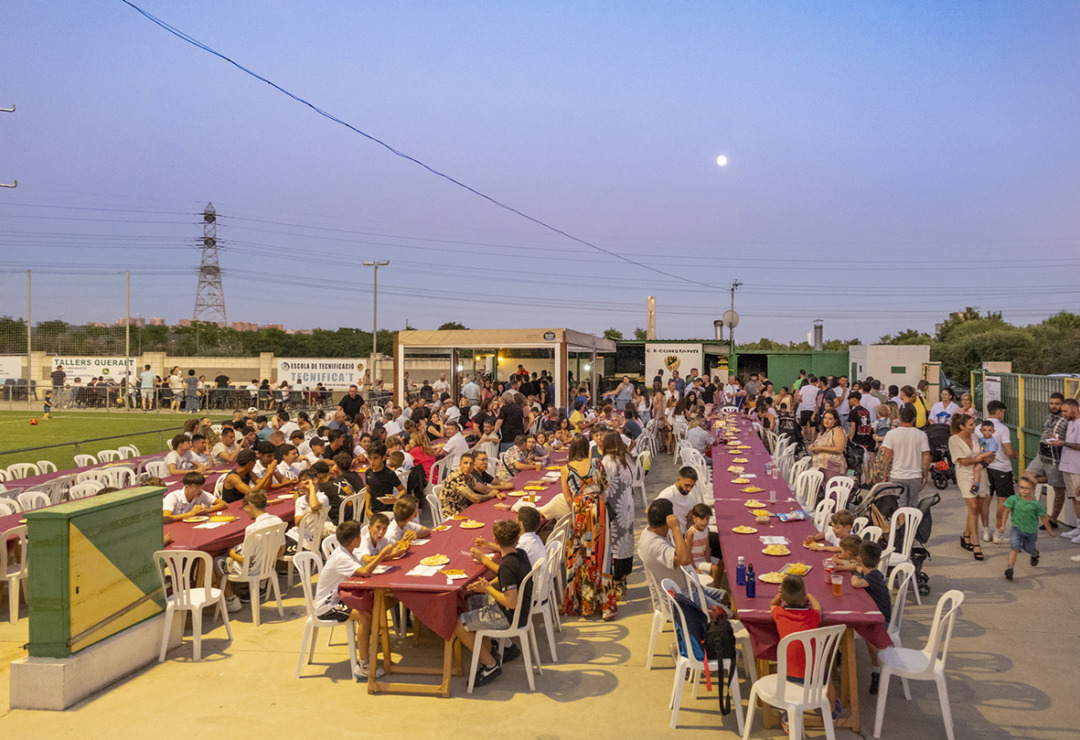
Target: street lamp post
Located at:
point(375, 315)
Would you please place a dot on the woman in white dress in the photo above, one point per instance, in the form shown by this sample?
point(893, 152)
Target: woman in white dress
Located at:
point(619, 501)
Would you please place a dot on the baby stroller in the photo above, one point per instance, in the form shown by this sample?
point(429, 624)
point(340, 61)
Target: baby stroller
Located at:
point(881, 503)
point(919, 554)
point(788, 431)
point(878, 504)
point(942, 469)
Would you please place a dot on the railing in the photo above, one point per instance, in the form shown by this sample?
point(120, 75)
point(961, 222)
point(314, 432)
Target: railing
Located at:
point(78, 445)
point(17, 395)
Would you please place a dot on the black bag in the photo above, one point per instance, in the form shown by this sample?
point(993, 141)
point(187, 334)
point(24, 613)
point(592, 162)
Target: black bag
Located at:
point(720, 643)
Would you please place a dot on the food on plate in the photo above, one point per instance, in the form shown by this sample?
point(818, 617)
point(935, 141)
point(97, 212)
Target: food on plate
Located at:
point(197, 519)
point(441, 528)
point(753, 504)
point(743, 530)
point(517, 493)
point(752, 489)
point(798, 569)
point(453, 573)
point(471, 524)
point(459, 517)
point(735, 468)
point(740, 459)
point(741, 480)
point(761, 513)
point(773, 577)
point(439, 559)
point(223, 518)
point(777, 550)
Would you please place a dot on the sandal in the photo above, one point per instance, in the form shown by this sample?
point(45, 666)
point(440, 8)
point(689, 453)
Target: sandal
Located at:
point(978, 552)
point(965, 542)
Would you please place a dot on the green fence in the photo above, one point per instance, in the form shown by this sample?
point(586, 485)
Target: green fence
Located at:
point(1027, 401)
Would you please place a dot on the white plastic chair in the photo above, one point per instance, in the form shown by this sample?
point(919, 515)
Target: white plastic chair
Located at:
point(329, 544)
point(219, 485)
point(8, 507)
point(307, 564)
point(436, 506)
point(14, 572)
point(742, 635)
point(543, 596)
point(927, 664)
point(806, 488)
point(661, 616)
point(310, 539)
point(820, 647)
point(729, 409)
point(4, 476)
point(357, 500)
point(107, 456)
point(870, 532)
point(839, 489)
point(823, 514)
point(520, 628)
point(128, 451)
point(157, 469)
point(858, 524)
point(46, 466)
point(896, 553)
point(265, 543)
point(564, 527)
point(177, 568)
point(798, 467)
point(899, 582)
point(82, 461)
point(22, 470)
point(30, 500)
point(638, 471)
point(83, 490)
point(685, 660)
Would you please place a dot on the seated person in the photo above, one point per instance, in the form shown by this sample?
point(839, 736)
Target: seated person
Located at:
point(393, 444)
point(199, 455)
point(180, 459)
point(485, 482)
point(699, 439)
point(849, 551)
point(383, 484)
point(458, 491)
point(868, 576)
point(267, 465)
point(240, 482)
point(697, 539)
point(517, 458)
point(288, 459)
point(405, 513)
point(232, 562)
point(340, 566)
point(225, 451)
point(662, 559)
point(191, 500)
point(839, 528)
point(489, 434)
point(496, 601)
point(577, 418)
point(309, 501)
point(529, 541)
point(376, 540)
point(794, 610)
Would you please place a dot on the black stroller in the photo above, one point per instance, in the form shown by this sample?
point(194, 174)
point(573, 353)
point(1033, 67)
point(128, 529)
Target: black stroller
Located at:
point(881, 503)
point(788, 431)
point(942, 469)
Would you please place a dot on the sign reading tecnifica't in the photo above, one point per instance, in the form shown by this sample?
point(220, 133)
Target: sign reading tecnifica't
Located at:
point(336, 373)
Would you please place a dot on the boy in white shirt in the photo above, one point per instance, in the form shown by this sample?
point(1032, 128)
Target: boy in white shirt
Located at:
point(180, 460)
point(225, 451)
point(199, 454)
point(308, 502)
point(529, 519)
point(232, 562)
point(340, 566)
point(377, 541)
point(191, 500)
point(405, 513)
point(289, 465)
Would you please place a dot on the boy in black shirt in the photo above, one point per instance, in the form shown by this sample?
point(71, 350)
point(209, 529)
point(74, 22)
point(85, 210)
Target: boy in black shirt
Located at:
point(868, 576)
point(499, 599)
point(383, 484)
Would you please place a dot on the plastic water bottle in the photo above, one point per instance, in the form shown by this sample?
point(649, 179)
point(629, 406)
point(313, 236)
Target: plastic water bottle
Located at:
point(740, 573)
point(751, 582)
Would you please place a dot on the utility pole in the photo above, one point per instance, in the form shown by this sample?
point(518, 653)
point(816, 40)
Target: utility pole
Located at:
point(375, 316)
point(731, 330)
point(210, 294)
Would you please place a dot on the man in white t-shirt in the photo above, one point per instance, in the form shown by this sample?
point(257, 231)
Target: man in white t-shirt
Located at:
point(471, 391)
point(191, 500)
point(701, 440)
point(286, 425)
point(225, 451)
point(180, 459)
point(999, 473)
point(905, 453)
point(680, 494)
point(807, 398)
point(869, 402)
point(455, 447)
point(661, 558)
point(440, 386)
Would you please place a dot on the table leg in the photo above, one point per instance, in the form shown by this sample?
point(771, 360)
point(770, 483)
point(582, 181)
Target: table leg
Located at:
point(849, 686)
point(447, 665)
point(373, 639)
point(459, 666)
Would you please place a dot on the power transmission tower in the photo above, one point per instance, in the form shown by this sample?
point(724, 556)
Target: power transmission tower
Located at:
point(210, 295)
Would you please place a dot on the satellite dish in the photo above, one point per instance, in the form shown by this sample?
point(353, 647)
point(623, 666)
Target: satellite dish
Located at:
point(730, 319)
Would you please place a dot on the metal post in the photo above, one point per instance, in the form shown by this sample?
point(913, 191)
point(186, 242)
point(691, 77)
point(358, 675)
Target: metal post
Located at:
point(29, 367)
point(375, 317)
point(127, 339)
point(731, 330)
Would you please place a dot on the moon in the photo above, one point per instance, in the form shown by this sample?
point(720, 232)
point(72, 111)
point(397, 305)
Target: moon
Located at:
point(721, 160)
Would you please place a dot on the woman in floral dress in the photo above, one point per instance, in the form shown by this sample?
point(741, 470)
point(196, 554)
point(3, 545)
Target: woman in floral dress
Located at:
point(619, 501)
point(589, 589)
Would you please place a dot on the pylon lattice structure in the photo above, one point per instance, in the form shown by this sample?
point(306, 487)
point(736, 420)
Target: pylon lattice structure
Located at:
point(210, 295)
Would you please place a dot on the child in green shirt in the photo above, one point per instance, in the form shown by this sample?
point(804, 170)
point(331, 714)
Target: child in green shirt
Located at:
point(1026, 515)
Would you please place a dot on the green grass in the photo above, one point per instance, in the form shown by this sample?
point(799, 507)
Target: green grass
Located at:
point(68, 427)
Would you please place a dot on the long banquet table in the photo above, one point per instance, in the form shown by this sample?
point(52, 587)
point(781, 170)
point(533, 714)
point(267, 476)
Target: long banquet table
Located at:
point(853, 608)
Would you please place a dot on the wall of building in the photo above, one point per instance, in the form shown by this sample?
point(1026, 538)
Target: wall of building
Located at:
point(891, 364)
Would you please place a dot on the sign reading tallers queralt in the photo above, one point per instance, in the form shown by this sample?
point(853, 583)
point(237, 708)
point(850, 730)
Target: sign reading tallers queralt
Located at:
point(333, 373)
point(94, 367)
point(668, 356)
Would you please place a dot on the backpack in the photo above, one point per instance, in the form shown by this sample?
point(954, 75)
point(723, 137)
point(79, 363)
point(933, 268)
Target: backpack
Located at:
point(709, 640)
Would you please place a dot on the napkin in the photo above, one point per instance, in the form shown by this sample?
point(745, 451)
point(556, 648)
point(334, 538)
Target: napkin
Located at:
point(210, 525)
point(425, 570)
point(773, 540)
point(421, 542)
point(524, 501)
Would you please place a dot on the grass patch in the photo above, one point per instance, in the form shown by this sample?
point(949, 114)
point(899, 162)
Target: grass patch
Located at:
point(68, 427)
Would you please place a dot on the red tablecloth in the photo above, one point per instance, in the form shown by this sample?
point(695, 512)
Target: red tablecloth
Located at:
point(435, 602)
point(37, 480)
point(217, 541)
point(854, 608)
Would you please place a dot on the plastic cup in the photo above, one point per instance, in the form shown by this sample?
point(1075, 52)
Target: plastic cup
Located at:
point(837, 583)
point(772, 496)
point(774, 472)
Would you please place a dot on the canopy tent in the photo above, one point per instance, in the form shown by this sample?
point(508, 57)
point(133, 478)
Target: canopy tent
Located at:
point(496, 352)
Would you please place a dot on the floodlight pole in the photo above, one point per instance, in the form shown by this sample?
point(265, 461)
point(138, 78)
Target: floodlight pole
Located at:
point(375, 315)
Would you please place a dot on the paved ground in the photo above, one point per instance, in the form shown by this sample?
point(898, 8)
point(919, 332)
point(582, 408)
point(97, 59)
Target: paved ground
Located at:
point(1012, 672)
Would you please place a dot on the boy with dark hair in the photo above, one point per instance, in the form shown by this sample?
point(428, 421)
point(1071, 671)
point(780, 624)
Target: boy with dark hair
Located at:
point(494, 606)
point(529, 542)
point(795, 610)
point(340, 566)
point(180, 459)
point(191, 500)
point(232, 561)
point(868, 576)
point(383, 484)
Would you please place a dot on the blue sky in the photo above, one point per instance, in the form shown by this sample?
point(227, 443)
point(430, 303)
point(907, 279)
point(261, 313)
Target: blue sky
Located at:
point(888, 162)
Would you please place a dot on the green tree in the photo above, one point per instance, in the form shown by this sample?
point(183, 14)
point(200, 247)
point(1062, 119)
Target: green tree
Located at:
point(613, 334)
point(640, 334)
point(907, 336)
point(452, 325)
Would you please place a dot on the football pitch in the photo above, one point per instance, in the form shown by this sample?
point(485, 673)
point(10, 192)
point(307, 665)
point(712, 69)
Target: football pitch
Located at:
point(67, 427)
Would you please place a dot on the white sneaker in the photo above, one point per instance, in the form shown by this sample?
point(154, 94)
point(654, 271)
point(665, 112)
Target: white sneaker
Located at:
point(232, 604)
point(999, 538)
point(1075, 540)
point(360, 671)
point(1071, 533)
point(987, 537)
